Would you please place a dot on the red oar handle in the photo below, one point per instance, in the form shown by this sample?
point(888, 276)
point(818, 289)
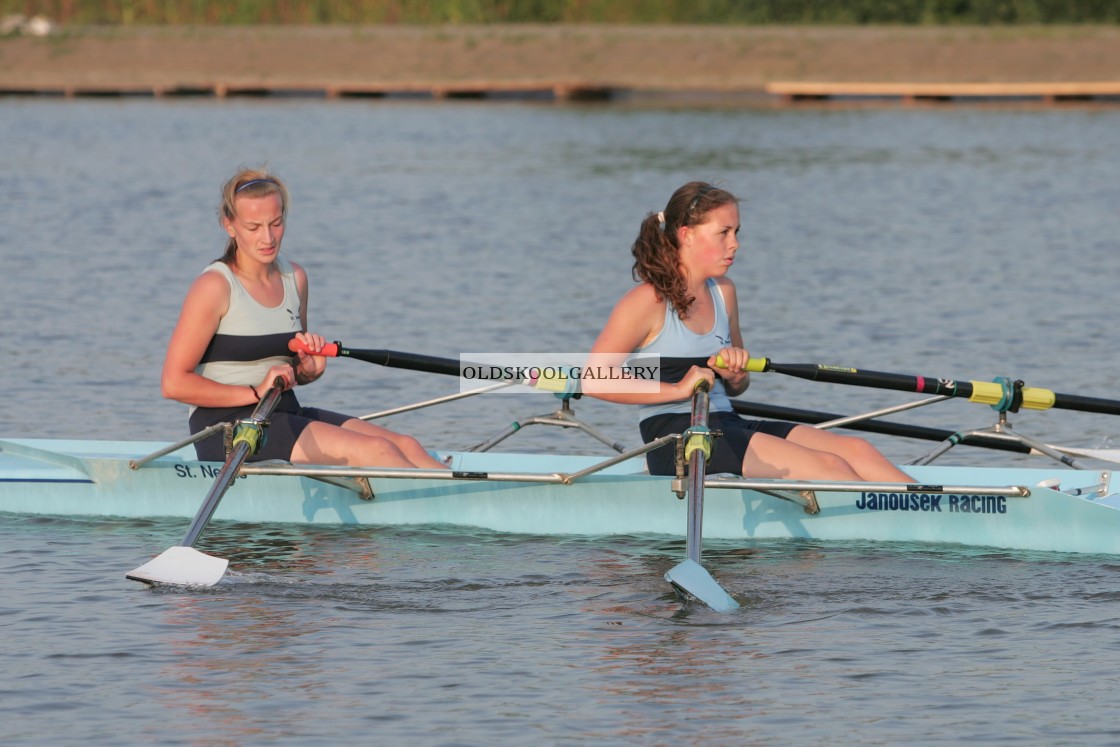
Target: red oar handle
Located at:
point(330, 350)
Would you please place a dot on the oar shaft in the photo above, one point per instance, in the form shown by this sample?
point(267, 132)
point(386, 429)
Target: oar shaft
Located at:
point(1086, 404)
point(857, 377)
point(226, 475)
point(890, 428)
point(410, 361)
point(1000, 394)
point(446, 366)
point(697, 450)
point(388, 358)
point(673, 369)
point(245, 442)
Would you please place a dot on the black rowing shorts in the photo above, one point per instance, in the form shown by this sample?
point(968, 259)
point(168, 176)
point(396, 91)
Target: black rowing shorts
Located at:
point(284, 428)
point(730, 448)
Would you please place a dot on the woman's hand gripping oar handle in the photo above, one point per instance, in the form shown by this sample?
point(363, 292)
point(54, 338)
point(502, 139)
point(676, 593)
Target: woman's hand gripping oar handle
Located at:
point(754, 365)
point(330, 350)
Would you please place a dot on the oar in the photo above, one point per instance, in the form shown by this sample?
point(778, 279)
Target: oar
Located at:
point(689, 576)
point(1001, 394)
point(887, 427)
point(674, 369)
point(426, 363)
point(183, 565)
point(389, 358)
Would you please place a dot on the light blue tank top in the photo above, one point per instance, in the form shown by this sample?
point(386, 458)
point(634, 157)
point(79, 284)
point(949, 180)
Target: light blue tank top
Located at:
point(675, 340)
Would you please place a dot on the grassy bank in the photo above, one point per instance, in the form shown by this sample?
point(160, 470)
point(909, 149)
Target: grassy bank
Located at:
point(752, 12)
point(651, 57)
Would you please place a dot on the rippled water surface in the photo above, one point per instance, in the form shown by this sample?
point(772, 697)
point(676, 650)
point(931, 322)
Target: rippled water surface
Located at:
point(957, 242)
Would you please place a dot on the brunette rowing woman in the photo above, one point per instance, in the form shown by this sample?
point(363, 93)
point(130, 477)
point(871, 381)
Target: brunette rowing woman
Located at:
point(685, 306)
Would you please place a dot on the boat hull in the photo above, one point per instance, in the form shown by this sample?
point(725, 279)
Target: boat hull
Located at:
point(92, 478)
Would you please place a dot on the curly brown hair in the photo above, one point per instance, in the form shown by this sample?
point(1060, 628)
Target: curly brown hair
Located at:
point(656, 251)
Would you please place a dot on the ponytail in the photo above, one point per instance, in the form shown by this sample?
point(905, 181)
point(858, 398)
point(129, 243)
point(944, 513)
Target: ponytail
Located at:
point(656, 250)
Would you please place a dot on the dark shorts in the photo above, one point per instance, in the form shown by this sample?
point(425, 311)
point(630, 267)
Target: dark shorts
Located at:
point(284, 426)
point(729, 450)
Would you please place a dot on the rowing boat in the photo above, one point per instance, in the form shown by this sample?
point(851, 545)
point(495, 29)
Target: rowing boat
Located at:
point(1035, 508)
point(1057, 504)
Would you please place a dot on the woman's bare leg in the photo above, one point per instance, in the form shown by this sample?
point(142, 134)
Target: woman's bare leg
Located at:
point(372, 446)
point(813, 454)
point(867, 461)
point(772, 457)
point(409, 446)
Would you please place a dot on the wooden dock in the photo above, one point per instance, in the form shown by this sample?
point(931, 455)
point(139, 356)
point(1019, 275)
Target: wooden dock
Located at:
point(548, 91)
point(788, 92)
point(1047, 92)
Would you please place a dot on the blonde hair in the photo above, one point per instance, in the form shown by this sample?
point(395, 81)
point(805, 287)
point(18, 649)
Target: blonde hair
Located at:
point(657, 255)
point(248, 183)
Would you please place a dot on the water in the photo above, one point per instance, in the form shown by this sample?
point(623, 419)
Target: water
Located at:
point(961, 242)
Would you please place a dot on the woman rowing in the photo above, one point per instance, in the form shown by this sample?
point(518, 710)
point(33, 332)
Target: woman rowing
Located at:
point(685, 306)
point(231, 343)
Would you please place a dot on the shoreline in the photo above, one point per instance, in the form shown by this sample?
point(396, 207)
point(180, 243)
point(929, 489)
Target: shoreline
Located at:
point(728, 60)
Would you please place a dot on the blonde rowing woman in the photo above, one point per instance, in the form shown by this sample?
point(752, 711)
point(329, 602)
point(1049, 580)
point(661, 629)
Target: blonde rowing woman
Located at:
point(685, 306)
point(231, 343)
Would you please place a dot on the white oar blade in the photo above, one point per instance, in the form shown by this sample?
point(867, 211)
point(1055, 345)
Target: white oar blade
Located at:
point(181, 566)
point(691, 577)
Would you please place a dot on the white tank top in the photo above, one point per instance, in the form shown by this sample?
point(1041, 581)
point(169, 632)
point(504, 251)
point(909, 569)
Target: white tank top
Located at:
point(251, 337)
